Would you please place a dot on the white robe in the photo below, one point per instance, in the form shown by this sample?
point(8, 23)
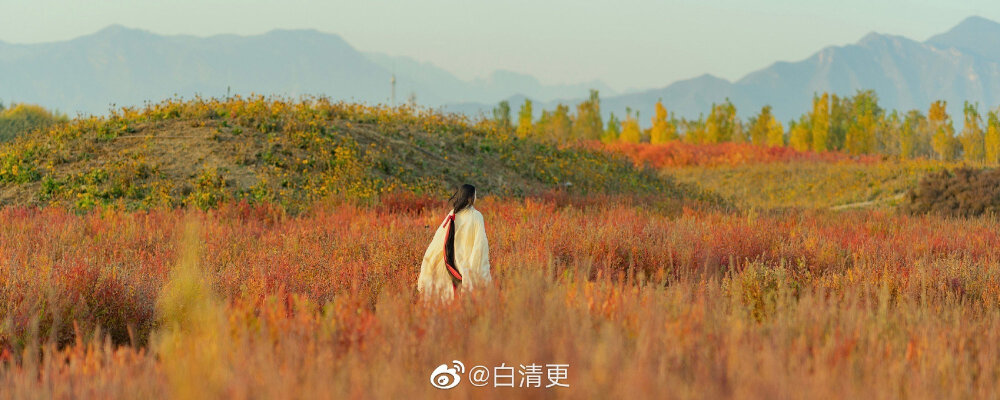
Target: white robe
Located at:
point(472, 258)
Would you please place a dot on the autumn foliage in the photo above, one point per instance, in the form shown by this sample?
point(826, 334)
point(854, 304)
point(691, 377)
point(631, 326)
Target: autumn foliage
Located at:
point(311, 305)
point(675, 269)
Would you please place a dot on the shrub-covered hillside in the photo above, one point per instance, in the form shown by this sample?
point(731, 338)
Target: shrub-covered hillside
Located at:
point(201, 152)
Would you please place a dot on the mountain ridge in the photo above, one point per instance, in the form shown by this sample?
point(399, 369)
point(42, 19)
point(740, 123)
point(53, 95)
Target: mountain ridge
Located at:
point(905, 74)
point(128, 66)
point(119, 65)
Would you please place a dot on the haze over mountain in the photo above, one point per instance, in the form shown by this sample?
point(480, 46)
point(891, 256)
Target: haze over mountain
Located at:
point(129, 66)
point(958, 65)
point(124, 66)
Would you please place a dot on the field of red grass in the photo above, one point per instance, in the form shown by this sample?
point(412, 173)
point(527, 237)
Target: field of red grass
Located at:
point(642, 300)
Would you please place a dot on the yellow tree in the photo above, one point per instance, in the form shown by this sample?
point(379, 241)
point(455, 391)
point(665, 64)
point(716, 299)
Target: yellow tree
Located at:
point(820, 122)
point(992, 140)
point(613, 130)
point(501, 116)
point(587, 124)
point(562, 125)
point(694, 130)
point(775, 133)
point(943, 139)
point(841, 110)
point(860, 135)
point(630, 128)
point(542, 128)
point(889, 133)
point(524, 119)
point(761, 126)
point(722, 125)
point(800, 134)
point(915, 137)
point(554, 125)
point(908, 135)
point(663, 129)
point(972, 134)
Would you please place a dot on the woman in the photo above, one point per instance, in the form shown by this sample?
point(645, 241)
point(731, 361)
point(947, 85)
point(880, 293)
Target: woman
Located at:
point(458, 256)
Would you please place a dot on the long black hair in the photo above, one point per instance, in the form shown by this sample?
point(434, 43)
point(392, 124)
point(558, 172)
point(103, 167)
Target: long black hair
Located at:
point(462, 199)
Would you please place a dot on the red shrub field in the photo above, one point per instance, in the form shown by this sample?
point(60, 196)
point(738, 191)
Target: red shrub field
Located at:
point(638, 300)
point(273, 252)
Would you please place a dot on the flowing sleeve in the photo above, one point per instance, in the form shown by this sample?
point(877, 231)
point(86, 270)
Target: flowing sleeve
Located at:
point(433, 257)
point(479, 257)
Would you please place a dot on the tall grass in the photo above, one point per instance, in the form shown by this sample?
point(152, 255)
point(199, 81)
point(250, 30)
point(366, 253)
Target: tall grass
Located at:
point(640, 301)
point(192, 344)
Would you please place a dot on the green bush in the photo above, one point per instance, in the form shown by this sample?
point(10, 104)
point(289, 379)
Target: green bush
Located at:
point(23, 118)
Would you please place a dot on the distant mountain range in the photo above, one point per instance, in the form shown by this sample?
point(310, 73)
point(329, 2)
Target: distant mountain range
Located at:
point(124, 66)
point(958, 65)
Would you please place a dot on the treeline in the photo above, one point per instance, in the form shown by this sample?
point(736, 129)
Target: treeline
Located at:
point(855, 125)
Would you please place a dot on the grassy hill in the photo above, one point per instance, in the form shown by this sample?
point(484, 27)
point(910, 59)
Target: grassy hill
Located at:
point(765, 177)
point(202, 152)
point(804, 184)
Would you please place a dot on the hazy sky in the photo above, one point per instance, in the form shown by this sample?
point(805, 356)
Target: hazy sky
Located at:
point(625, 43)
